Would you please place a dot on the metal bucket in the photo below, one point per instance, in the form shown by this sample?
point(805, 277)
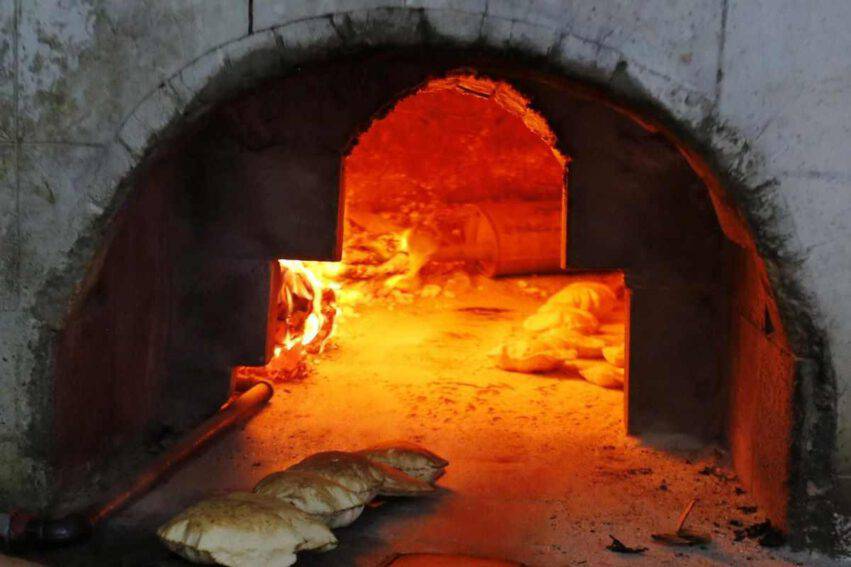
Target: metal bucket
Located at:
point(524, 237)
point(504, 238)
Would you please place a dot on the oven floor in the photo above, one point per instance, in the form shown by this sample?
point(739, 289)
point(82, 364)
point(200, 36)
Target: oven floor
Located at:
point(541, 471)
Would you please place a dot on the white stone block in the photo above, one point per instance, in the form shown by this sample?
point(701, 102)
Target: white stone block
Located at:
point(272, 13)
point(468, 6)
point(460, 28)
point(533, 39)
point(775, 50)
point(113, 164)
point(376, 27)
point(496, 32)
point(308, 36)
point(149, 120)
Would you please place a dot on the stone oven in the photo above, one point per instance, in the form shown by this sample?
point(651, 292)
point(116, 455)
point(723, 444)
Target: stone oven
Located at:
point(372, 173)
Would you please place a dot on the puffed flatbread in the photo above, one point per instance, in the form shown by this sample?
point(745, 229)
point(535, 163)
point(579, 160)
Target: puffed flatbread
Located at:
point(362, 476)
point(555, 315)
point(586, 346)
point(244, 529)
point(410, 458)
point(615, 355)
point(330, 501)
point(604, 374)
point(594, 297)
point(525, 355)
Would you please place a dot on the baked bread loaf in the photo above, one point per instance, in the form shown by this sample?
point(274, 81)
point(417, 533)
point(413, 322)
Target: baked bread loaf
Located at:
point(410, 458)
point(244, 529)
point(398, 483)
point(555, 315)
point(361, 475)
point(594, 297)
point(330, 501)
point(586, 346)
point(356, 474)
point(614, 355)
point(604, 374)
point(524, 355)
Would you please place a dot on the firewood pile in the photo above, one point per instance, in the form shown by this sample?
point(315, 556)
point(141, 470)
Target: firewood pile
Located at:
point(395, 255)
point(580, 330)
point(295, 509)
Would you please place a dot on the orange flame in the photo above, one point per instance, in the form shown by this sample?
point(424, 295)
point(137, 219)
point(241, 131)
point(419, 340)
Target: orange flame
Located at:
point(307, 307)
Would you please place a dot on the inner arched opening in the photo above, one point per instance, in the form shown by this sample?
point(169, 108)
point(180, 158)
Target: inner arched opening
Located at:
point(453, 241)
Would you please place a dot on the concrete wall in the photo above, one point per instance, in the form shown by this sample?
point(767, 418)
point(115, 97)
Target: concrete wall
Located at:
point(87, 86)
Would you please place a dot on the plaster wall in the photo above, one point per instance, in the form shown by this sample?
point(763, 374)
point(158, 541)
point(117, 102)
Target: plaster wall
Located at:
point(88, 86)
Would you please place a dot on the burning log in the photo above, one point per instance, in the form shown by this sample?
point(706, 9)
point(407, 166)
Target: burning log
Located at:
point(307, 308)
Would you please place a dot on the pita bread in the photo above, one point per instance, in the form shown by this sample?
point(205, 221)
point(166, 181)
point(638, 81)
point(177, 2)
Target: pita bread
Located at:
point(542, 320)
point(578, 364)
point(524, 355)
point(333, 503)
point(357, 475)
point(244, 529)
point(409, 458)
point(614, 355)
point(611, 340)
point(615, 329)
point(604, 374)
point(552, 316)
point(594, 297)
point(398, 483)
point(362, 476)
point(567, 339)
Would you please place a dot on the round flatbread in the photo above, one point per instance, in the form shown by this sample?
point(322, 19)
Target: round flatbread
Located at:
point(410, 458)
point(244, 529)
point(594, 297)
point(615, 355)
point(586, 346)
point(356, 474)
point(523, 355)
point(604, 374)
point(362, 476)
point(557, 316)
point(333, 503)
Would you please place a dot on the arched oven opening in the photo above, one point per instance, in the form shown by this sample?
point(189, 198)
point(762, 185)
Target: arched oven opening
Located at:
point(498, 264)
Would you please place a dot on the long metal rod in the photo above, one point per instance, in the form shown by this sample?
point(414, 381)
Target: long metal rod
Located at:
point(18, 528)
point(242, 407)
